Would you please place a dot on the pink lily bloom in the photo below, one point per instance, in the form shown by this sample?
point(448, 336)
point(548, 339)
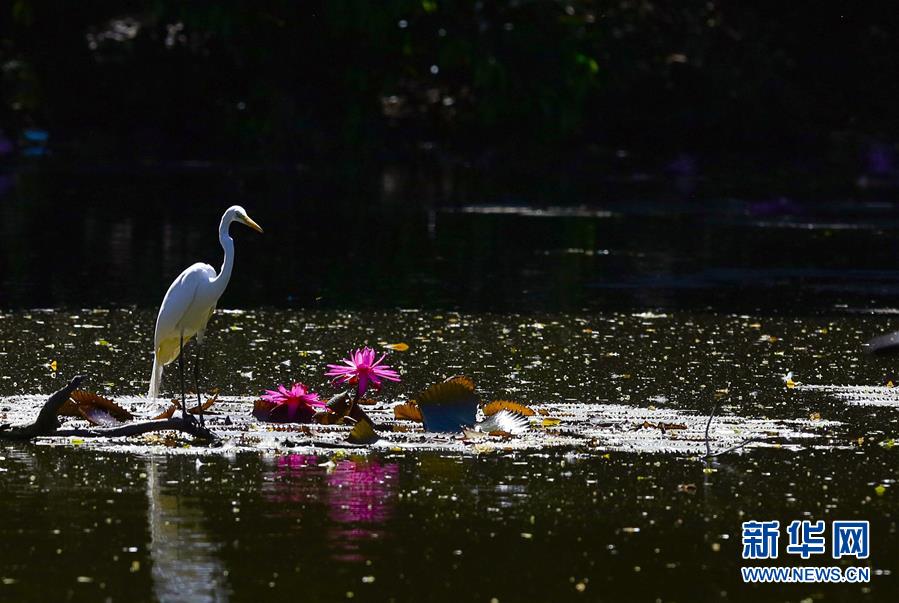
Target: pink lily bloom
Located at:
point(362, 370)
point(296, 404)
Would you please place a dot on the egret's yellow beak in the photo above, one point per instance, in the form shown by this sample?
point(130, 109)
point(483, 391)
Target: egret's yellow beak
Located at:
point(249, 222)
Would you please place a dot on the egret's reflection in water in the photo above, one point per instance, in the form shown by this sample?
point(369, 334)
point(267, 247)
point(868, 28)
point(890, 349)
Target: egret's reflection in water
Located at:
point(185, 556)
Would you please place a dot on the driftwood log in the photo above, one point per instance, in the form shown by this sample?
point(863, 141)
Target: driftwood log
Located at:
point(47, 423)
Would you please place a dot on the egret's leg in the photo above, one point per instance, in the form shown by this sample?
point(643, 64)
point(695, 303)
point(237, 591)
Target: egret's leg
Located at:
point(181, 370)
point(197, 380)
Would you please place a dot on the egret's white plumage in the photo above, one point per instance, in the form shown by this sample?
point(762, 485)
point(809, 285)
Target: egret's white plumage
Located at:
point(191, 300)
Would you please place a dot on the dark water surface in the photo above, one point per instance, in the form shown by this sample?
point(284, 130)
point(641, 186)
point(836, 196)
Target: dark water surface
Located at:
point(412, 527)
point(440, 237)
point(592, 297)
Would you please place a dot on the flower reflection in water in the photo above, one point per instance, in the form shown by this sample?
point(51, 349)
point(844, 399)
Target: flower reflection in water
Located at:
point(359, 495)
point(360, 491)
point(294, 482)
point(293, 462)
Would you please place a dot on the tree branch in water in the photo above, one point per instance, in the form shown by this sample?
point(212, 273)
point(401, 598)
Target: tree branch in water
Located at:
point(47, 423)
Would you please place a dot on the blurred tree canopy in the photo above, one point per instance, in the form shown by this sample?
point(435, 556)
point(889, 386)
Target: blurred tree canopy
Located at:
point(289, 78)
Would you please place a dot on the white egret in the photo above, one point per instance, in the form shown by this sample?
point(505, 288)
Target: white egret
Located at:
point(188, 305)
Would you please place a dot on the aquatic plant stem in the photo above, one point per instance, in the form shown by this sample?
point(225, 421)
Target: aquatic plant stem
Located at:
point(349, 409)
point(708, 424)
point(708, 447)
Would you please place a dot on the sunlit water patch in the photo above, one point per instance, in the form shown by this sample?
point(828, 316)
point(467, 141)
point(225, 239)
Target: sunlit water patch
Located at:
point(592, 429)
point(532, 212)
point(860, 395)
point(604, 373)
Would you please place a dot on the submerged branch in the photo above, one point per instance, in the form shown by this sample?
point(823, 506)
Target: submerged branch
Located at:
point(139, 428)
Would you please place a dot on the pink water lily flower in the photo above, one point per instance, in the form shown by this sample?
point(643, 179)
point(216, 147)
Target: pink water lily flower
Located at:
point(362, 370)
point(296, 404)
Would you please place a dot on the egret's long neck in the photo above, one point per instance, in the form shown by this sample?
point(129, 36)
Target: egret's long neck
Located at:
point(224, 275)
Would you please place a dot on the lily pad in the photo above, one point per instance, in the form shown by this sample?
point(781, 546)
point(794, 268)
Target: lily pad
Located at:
point(499, 405)
point(407, 412)
point(449, 405)
point(94, 408)
point(363, 433)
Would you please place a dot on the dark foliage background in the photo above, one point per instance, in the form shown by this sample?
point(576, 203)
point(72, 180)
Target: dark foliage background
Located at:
point(283, 79)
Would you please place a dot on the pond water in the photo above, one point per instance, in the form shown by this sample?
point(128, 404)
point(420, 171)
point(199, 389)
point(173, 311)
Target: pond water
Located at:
point(594, 299)
point(419, 526)
point(443, 239)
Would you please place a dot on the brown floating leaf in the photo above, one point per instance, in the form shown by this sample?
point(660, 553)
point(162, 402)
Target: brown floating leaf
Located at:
point(463, 381)
point(662, 426)
point(292, 428)
point(69, 409)
point(168, 413)
point(397, 347)
point(363, 433)
point(82, 403)
point(670, 426)
point(458, 390)
point(498, 405)
point(366, 402)
point(206, 405)
point(408, 412)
